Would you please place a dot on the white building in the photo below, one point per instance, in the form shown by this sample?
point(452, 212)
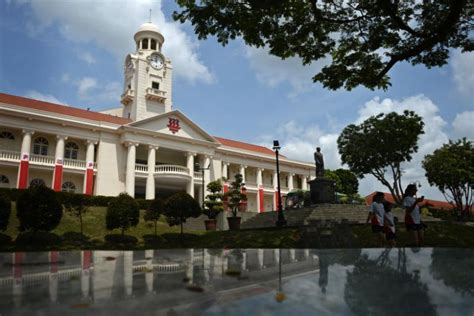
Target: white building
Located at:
point(143, 147)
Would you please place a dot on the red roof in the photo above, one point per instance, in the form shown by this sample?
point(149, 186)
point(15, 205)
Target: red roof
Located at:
point(246, 146)
point(61, 109)
point(426, 202)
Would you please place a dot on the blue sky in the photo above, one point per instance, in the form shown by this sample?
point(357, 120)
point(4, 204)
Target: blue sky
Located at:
point(72, 52)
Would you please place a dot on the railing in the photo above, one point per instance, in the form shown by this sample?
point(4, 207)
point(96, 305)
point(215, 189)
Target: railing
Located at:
point(127, 97)
point(171, 169)
point(198, 175)
point(74, 163)
point(268, 186)
point(141, 167)
point(155, 94)
point(42, 160)
point(9, 155)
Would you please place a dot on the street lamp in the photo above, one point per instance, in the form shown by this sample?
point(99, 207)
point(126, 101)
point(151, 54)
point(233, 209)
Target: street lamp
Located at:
point(281, 218)
point(199, 168)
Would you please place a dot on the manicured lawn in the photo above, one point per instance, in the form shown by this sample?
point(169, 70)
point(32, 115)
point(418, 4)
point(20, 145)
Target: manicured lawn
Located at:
point(67, 236)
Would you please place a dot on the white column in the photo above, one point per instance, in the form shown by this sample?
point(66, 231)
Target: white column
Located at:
point(224, 169)
point(260, 188)
point(128, 272)
point(306, 254)
point(130, 175)
point(275, 186)
point(22, 179)
point(190, 166)
point(190, 267)
point(242, 172)
point(290, 181)
point(60, 147)
point(259, 177)
point(243, 265)
point(89, 162)
point(260, 253)
point(304, 183)
point(150, 180)
point(26, 142)
point(58, 163)
point(292, 255)
point(207, 173)
point(276, 255)
point(149, 270)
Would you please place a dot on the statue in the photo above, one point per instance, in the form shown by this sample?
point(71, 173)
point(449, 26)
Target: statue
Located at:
point(318, 158)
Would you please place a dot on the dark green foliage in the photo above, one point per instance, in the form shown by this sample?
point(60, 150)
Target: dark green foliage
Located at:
point(453, 267)
point(154, 211)
point(213, 203)
point(379, 145)
point(143, 204)
point(38, 209)
point(360, 41)
point(122, 212)
point(179, 207)
point(451, 169)
point(12, 194)
point(77, 205)
point(235, 196)
point(5, 210)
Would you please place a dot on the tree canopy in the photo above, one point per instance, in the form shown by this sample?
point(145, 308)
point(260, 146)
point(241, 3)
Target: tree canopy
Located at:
point(122, 212)
point(451, 169)
point(153, 212)
point(346, 180)
point(362, 39)
point(214, 200)
point(379, 145)
point(179, 207)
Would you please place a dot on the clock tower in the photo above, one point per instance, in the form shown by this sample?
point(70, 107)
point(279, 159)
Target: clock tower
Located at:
point(148, 74)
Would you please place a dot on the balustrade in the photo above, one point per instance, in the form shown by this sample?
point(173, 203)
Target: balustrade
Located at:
point(42, 160)
point(9, 155)
point(171, 169)
point(141, 167)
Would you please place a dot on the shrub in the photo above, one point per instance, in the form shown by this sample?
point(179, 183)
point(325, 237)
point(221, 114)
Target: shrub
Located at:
point(213, 202)
point(122, 212)
point(143, 204)
point(179, 207)
point(77, 204)
point(5, 210)
point(154, 211)
point(38, 209)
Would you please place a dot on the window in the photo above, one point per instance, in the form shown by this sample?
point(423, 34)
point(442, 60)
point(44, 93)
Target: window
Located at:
point(71, 150)
point(155, 85)
point(69, 186)
point(7, 136)
point(145, 43)
point(4, 181)
point(37, 183)
point(153, 44)
point(40, 146)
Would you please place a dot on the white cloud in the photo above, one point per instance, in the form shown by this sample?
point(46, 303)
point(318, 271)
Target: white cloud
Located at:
point(87, 57)
point(299, 142)
point(463, 125)
point(463, 73)
point(111, 26)
point(272, 71)
point(89, 89)
point(85, 85)
point(33, 94)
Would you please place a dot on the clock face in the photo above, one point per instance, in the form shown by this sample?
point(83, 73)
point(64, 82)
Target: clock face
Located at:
point(156, 61)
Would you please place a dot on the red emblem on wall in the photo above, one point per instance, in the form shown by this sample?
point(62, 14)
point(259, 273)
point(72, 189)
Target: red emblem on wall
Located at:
point(173, 125)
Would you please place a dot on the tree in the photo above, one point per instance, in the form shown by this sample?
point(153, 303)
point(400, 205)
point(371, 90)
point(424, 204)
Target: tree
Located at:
point(179, 207)
point(362, 39)
point(77, 205)
point(38, 209)
point(214, 204)
point(451, 265)
point(122, 212)
point(451, 169)
point(154, 212)
point(235, 195)
point(346, 180)
point(5, 210)
point(379, 145)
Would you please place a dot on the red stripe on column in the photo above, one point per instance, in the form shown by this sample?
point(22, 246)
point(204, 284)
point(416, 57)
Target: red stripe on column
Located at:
point(86, 259)
point(261, 206)
point(17, 268)
point(58, 177)
point(226, 202)
point(89, 181)
point(53, 260)
point(23, 176)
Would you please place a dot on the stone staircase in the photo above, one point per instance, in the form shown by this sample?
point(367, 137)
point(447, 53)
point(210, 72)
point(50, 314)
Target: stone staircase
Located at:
point(268, 219)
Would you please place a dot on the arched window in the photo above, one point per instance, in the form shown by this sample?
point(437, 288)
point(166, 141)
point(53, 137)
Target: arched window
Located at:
point(70, 150)
point(6, 136)
point(153, 44)
point(37, 183)
point(4, 181)
point(145, 43)
point(40, 146)
point(69, 186)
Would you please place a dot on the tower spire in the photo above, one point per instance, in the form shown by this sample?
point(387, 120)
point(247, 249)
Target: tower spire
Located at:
point(149, 20)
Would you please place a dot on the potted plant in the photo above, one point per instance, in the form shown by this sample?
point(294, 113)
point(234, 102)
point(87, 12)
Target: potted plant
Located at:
point(235, 196)
point(213, 204)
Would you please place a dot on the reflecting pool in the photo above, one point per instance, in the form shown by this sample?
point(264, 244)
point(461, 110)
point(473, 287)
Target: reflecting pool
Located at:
point(400, 281)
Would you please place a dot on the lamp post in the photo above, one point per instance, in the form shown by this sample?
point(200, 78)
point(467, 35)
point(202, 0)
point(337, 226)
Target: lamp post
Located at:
point(199, 168)
point(281, 218)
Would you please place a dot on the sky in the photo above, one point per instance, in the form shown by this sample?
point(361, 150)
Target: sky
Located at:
point(72, 52)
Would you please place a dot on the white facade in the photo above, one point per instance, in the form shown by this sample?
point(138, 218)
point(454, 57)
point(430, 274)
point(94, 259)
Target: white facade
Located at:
point(144, 148)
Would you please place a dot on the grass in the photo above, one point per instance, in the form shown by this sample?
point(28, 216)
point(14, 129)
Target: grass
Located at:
point(67, 236)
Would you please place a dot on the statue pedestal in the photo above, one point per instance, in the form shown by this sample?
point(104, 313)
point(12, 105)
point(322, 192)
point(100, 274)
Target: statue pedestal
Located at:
point(322, 191)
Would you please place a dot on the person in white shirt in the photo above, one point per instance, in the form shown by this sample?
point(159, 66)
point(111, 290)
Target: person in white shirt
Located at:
point(389, 224)
point(376, 216)
point(412, 214)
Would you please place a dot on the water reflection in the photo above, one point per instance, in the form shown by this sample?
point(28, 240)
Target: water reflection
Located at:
point(238, 281)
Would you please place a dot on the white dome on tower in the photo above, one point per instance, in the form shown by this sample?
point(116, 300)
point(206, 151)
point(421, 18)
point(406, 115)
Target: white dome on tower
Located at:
point(148, 26)
point(149, 30)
